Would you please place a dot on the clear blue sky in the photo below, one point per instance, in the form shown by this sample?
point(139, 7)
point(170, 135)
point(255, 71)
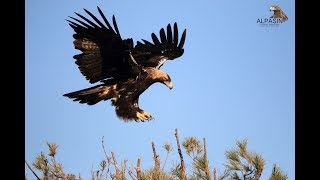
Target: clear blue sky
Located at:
point(234, 81)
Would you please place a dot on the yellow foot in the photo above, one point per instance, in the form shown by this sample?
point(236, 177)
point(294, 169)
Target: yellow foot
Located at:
point(144, 116)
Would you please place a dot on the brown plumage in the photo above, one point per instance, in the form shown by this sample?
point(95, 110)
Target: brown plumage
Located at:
point(278, 13)
point(125, 70)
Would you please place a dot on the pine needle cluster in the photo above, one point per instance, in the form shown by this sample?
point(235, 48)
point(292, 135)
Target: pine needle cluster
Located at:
point(241, 164)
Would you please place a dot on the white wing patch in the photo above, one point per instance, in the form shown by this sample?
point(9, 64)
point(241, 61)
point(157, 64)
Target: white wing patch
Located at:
point(162, 61)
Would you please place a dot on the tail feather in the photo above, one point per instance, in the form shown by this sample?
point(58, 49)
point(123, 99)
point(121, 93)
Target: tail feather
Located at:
point(93, 95)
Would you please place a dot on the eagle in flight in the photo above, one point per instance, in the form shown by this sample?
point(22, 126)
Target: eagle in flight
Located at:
point(278, 13)
point(123, 69)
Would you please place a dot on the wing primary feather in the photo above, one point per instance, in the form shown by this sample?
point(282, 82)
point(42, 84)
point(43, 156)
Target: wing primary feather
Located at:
point(105, 20)
point(147, 42)
point(81, 22)
point(183, 38)
point(169, 34)
point(73, 24)
point(155, 40)
point(175, 35)
point(139, 43)
point(163, 36)
point(115, 25)
point(95, 18)
point(90, 22)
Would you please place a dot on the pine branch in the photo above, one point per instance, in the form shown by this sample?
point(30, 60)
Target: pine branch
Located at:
point(165, 162)
point(168, 148)
point(107, 157)
point(118, 175)
point(124, 168)
point(207, 170)
point(277, 174)
point(156, 161)
point(131, 174)
point(183, 171)
point(104, 150)
point(57, 176)
point(138, 169)
point(32, 171)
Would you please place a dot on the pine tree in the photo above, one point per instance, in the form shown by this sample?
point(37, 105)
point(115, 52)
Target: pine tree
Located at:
point(241, 164)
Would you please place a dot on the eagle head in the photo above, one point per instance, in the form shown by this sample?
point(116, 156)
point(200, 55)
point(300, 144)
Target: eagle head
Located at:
point(164, 78)
point(156, 75)
point(167, 81)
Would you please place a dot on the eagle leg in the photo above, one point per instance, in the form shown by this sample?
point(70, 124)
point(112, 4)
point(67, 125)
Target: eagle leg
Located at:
point(142, 116)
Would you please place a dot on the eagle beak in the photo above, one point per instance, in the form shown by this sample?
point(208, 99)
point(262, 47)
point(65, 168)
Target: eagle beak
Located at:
point(168, 84)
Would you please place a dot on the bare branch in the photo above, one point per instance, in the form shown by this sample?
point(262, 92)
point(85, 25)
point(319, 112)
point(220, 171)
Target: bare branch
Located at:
point(116, 166)
point(183, 172)
point(207, 170)
point(131, 174)
point(104, 150)
point(123, 169)
point(57, 176)
point(32, 170)
point(138, 169)
point(156, 160)
point(165, 162)
point(214, 174)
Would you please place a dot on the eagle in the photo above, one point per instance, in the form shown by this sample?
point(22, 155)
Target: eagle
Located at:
point(123, 70)
point(278, 13)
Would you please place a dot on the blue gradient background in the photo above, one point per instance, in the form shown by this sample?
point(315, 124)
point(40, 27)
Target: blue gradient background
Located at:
point(234, 81)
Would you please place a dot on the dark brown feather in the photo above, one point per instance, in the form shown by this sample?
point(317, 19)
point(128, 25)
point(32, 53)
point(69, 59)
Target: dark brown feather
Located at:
point(81, 22)
point(169, 34)
point(105, 20)
point(115, 25)
point(182, 40)
point(163, 37)
point(93, 95)
point(155, 40)
point(90, 22)
point(96, 19)
point(175, 35)
point(155, 55)
point(147, 43)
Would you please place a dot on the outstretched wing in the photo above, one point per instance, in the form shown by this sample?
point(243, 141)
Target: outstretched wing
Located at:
point(104, 53)
point(167, 48)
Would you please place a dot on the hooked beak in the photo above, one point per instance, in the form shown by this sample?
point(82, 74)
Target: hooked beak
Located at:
point(168, 84)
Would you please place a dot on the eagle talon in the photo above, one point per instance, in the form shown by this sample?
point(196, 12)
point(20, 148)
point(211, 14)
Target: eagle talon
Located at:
point(144, 116)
